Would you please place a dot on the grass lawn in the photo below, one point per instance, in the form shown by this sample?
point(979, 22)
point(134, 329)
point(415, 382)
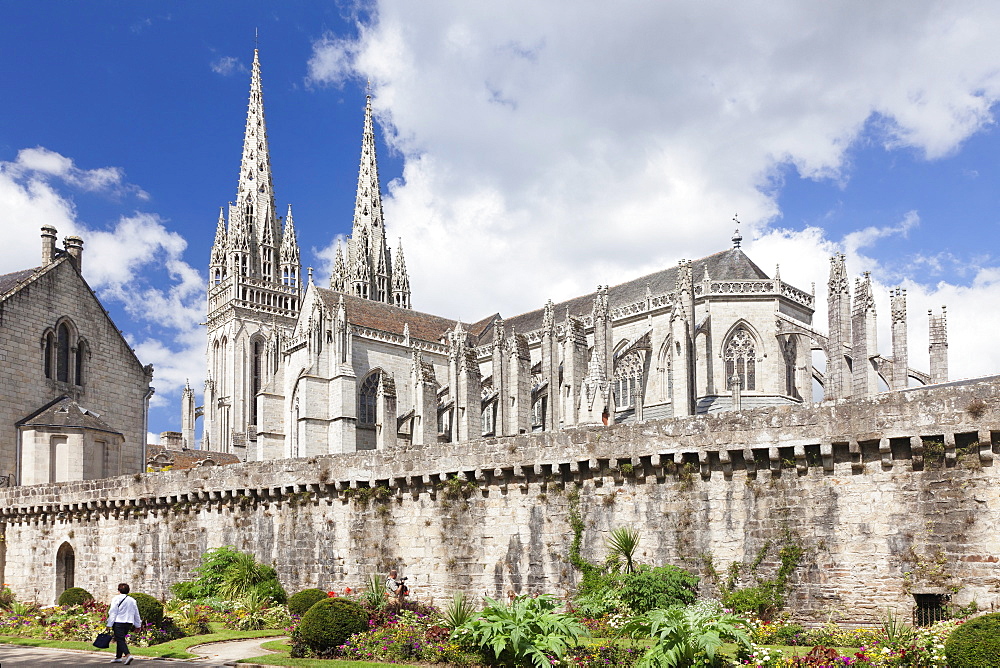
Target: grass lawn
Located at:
point(175, 649)
point(284, 660)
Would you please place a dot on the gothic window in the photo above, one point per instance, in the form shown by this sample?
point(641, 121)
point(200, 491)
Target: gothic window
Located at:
point(741, 359)
point(628, 375)
point(49, 352)
point(81, 353)
point(62, 353)
point(256, 370)
point(368, 400)
point(268, 262)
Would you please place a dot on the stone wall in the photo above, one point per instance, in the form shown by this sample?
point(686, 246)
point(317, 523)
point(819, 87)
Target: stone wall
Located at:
point(889, 496)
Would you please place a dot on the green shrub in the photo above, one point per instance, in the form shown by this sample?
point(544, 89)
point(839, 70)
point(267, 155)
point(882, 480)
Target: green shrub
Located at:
point(975, 644)
point(687, 636)
point(75, 596)
point(150, 610)
point(637, 592)
point(186, 591)
point(328, 624)
point(270, 588)
point(529, 630)
point(299, 603)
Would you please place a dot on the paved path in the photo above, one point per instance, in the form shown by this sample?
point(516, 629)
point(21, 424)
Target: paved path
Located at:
point(19, 655)
point(221, 653)
point(213, 654)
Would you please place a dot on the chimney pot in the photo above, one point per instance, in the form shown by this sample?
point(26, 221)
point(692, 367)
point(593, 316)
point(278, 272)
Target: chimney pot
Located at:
point(74, 246)
point(48, 244)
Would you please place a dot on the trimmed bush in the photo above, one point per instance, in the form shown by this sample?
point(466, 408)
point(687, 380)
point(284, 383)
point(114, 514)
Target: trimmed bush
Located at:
point(975, 644)
point(150, 610)
point(328, 624)
point(75, 596)
point(300, 603)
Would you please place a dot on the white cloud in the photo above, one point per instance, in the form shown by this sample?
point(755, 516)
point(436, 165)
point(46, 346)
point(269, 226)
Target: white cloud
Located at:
point(138, 263)
point(228, 65)
point(548, 151)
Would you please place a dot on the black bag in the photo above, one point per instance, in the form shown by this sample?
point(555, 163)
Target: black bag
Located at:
point(103, 640)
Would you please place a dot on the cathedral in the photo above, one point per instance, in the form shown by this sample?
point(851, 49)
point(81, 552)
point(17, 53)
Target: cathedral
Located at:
point(296, 369)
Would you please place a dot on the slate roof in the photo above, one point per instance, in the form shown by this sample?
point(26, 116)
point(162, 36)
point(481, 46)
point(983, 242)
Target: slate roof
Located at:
point(386, 317)
point(66, 413)
point(186, 459)
point(9, 282)
point(731, 264)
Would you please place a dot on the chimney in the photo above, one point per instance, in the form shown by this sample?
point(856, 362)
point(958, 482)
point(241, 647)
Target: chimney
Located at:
point(48, 244)
point(74, 246)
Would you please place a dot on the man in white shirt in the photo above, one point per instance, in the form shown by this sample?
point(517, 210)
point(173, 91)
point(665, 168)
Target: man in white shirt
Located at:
point(123, 616)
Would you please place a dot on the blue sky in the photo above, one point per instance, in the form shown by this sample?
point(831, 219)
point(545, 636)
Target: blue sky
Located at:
point(525, 153)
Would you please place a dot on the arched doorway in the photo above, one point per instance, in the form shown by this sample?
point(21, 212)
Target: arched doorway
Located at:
point(65, 568)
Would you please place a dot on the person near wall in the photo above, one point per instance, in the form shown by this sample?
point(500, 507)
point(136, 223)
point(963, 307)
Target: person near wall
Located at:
point(394, 589)
point(123, 616)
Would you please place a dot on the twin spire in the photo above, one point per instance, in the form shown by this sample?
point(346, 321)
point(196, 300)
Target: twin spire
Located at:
point(256, 245)
point(366, 268)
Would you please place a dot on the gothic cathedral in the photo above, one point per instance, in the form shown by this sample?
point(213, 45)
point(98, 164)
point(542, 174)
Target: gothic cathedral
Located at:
point(296, 370)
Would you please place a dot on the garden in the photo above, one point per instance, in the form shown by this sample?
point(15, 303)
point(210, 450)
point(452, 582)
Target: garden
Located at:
point(624, 614)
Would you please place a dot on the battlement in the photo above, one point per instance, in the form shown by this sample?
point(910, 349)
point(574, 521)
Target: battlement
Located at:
point(892, 431)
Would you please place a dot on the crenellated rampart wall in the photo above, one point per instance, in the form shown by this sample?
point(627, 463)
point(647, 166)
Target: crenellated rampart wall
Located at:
point(889, 496)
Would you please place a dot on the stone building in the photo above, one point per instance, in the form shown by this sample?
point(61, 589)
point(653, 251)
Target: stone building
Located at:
point(295, 369)
point(73, 395)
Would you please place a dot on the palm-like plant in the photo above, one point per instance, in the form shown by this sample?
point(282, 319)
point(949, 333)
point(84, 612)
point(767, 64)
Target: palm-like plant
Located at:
point(374, 592)
point(686, 636)
point(242, 577)
point(459, 611)
point(526, 631)
point(622, 544)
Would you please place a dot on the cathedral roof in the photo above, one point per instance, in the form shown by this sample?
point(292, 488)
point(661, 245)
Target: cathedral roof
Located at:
point(66, 413)
point(730, 265)
point(386, 317)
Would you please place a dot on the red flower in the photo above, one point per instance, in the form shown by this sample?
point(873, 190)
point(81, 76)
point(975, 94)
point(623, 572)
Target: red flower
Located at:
point(331, 594)
point(347, 591)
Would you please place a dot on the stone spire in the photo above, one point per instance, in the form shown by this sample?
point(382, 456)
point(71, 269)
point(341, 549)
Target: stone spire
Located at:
point(291, 267)
point(864, 344)
point(838, 384)
point(217, 264)
point(338, 279)
point(400, 280)
point(252, 217)
point(368, 262)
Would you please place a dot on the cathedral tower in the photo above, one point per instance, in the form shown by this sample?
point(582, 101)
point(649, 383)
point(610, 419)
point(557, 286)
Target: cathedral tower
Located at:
point(366, 269)
point(254, 291)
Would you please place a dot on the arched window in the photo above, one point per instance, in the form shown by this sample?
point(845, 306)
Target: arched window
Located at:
point(256, 372)
point(49, 352)
point(65, 568)
point(81, 353)
point(62, 353)
point(368, 401)
point(628, 375)
point(741, 359)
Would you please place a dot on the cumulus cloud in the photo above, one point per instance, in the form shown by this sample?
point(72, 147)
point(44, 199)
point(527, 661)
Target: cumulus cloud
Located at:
point(228, 65)
point(548, 151)
point(136, 263)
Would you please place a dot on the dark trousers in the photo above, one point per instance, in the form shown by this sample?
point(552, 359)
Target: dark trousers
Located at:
point(121, 629)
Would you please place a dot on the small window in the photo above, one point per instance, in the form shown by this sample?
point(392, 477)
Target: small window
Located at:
point(62, 353)
point(929, 608)
point(81, 353)
point(50, 349)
